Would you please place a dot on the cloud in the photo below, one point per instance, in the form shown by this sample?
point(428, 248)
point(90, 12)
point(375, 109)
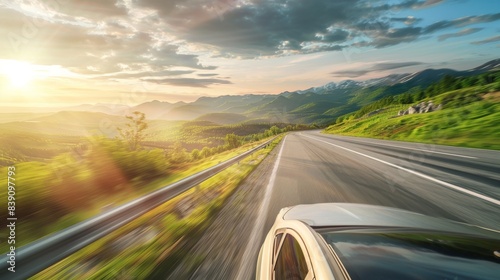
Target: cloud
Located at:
point(383, 66)
point(100, 49)
point(406, 20)
point(464, 21)
point(92, 9)
point(337, 35)
point(394, 65)
point(188, 82)
point(142, 74)
point(267, 28)
point(207, 75)
point(396, 36)
point(383, 35)
point(430, 3)
point(350, 73)
point(460, 33)
point(487, 40)
point(271, 28)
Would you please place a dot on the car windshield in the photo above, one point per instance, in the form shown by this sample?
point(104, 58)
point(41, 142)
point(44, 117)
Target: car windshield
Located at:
point(415, 255)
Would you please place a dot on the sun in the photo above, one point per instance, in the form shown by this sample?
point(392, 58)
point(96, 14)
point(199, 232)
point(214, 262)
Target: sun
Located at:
point(19, 73)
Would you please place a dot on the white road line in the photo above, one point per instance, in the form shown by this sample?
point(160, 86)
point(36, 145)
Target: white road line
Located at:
point(427, 151)
point(259, 222)
point(451, 186)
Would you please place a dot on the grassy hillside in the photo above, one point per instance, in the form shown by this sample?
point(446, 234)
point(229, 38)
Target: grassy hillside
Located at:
point(469, 118)
point(223, 118)
point(19, 117)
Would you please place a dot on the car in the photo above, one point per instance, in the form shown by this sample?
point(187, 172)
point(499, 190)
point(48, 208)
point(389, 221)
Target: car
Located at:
point(357, 241)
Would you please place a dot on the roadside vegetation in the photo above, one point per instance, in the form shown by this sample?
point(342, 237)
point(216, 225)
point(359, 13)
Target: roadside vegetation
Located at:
point(101, 172)
point(469, 116)
point(160, 237)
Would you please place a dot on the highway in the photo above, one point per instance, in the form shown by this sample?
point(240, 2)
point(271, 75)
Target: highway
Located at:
point(310, 167)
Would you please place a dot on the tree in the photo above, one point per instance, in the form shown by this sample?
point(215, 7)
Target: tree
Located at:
point(133, 133)
point(446, 83)
point(195, 154)
point(205, 152)
point(179, 154)
point(233, 141)
point(275, 130)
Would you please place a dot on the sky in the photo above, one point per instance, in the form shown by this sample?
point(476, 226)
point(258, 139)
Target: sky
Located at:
point(70, 52)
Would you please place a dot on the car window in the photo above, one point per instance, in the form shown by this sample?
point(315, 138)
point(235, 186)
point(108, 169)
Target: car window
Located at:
point(415, 255)
point(290, 263)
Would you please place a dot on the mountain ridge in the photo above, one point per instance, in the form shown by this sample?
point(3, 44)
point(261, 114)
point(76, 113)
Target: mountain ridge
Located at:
point(321, 104)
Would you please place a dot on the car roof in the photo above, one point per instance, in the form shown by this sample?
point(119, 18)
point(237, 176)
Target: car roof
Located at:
point(362, 215)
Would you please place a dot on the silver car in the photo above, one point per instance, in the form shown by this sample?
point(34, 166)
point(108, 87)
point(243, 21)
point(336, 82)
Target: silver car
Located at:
point(354, 241)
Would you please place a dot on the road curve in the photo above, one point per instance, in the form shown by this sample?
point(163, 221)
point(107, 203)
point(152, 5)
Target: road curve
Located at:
point(310, 167)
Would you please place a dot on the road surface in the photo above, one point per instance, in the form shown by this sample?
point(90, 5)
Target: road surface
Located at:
point(309, 167)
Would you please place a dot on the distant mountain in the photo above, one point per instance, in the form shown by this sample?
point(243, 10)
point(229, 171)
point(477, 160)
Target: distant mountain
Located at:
point(188, 112)
point(157, 109)
point(488, 66)
point(426, 77)
point(350, 85)
point(320, 104)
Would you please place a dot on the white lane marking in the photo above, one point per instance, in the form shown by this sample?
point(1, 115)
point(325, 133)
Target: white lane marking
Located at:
point(427, 151)
point(451, 186)
point(259, 222)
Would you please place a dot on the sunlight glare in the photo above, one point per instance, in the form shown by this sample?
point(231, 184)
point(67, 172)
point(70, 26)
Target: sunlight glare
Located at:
point(19, 73)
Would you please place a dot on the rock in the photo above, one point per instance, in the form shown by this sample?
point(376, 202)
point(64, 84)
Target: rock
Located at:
point(413, 110)
point(422, 107)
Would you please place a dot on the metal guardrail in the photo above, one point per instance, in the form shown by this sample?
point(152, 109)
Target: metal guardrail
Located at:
point(43, 253)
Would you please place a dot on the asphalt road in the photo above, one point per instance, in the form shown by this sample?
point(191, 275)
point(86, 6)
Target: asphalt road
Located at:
point(309, 167)
point(456, 183)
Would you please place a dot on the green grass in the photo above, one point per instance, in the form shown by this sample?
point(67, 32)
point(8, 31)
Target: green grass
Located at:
point(467, 119)
point(172, 231)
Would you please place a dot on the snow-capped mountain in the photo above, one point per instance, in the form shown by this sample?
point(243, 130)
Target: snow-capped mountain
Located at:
point(422, 78)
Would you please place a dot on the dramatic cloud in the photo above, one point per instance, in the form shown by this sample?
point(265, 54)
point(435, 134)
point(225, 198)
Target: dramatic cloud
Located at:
point(486, 41)
point(460, 33)
point(267, 28)
point(167, 41)
point(383, 66)
point(264, 28)
point(188, 82)
point(98, 49)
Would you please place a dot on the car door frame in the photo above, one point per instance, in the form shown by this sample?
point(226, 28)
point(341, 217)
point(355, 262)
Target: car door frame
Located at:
point(276, 248)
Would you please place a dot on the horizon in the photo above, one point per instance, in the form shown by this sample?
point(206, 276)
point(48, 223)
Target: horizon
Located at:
point(11, 109)
point(124, 52)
